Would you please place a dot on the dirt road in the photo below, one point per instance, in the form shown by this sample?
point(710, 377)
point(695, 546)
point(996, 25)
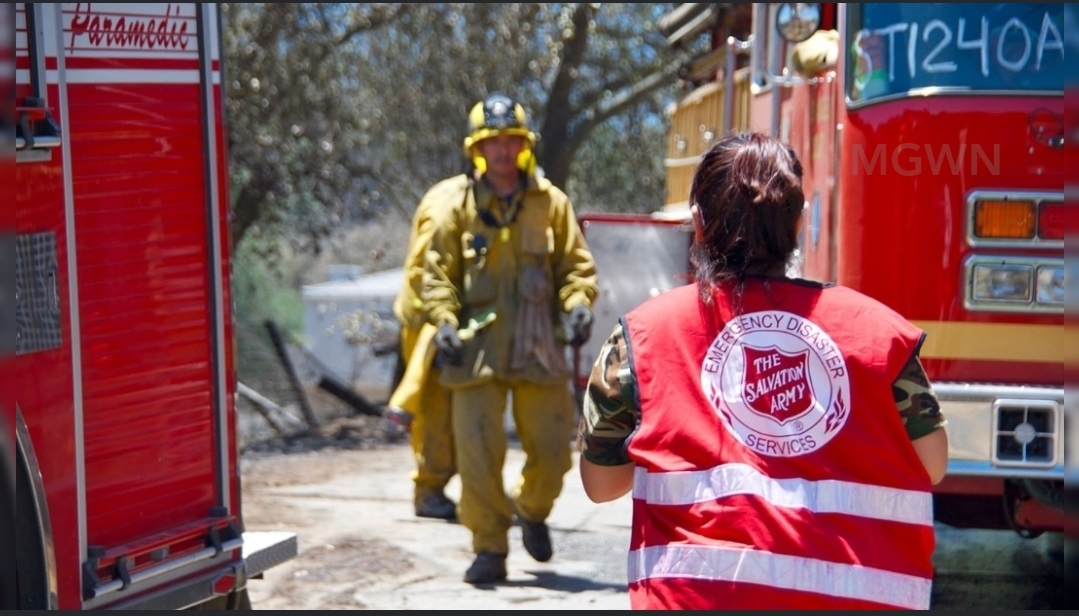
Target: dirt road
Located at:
point(361, 547)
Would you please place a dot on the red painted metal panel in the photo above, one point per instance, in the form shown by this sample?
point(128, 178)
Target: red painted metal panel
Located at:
point(916, 222)
point(140, 194)
point(901, 227)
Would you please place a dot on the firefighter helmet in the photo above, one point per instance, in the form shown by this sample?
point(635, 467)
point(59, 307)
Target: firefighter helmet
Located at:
point(496, 115)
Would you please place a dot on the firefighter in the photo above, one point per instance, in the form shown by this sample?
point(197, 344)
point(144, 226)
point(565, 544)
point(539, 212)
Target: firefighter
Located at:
point(508, 281)
point(420, 402)
point(779, 436)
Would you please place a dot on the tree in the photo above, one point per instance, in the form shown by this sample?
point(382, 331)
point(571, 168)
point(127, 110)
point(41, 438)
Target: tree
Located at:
point(339, 112)
point(289, 122)
point(620, 167)
point(609, 63)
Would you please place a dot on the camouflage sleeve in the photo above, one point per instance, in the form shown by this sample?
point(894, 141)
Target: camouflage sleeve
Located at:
point(918, 405)
point(610, 412)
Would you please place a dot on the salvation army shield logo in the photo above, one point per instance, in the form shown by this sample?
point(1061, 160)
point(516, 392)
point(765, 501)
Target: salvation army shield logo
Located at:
point(778, 382)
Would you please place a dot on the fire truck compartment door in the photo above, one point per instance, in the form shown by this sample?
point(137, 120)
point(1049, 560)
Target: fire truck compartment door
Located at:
point(145, 205)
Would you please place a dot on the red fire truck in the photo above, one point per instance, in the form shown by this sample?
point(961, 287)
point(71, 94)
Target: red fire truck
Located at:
point(126, 473)
point(959, 227)
point(932, 141)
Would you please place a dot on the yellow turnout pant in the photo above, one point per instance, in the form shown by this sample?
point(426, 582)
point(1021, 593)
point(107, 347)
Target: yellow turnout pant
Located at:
point(543, 415)
point(420, 394)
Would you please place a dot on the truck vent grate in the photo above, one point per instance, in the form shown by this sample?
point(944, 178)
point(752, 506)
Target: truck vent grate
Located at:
point(1026, 432)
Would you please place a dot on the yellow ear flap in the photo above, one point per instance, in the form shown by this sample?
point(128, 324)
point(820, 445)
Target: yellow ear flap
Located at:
point(480, 163)
point(526, 161)
point(472, 154)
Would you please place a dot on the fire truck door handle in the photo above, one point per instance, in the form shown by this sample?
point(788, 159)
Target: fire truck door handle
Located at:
point(214, 541)
point(123, 571)
point(37, 130)
point(24, 129)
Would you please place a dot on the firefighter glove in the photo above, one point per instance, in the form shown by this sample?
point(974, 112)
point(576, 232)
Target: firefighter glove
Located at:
point(449, 345)
point(580, 325)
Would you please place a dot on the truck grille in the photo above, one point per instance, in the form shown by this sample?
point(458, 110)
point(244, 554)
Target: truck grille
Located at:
point(1026, 432)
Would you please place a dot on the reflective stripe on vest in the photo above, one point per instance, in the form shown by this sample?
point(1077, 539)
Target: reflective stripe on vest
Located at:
point(829, 496)
point(779, 571)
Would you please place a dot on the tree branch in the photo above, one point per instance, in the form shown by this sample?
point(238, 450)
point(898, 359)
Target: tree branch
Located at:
point(608, 108)
point(369, 22)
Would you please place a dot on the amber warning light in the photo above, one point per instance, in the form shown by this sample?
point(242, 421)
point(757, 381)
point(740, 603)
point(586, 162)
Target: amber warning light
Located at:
point(1004, 219)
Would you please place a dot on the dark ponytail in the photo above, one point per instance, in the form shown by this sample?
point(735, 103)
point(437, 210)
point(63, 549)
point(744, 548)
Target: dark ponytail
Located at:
point(748, 188)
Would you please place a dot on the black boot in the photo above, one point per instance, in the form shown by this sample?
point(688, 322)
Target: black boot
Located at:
point(436, 506)
point(536, 537)
point(487, 568)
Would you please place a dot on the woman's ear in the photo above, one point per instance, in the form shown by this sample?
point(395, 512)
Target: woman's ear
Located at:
point(698, 223)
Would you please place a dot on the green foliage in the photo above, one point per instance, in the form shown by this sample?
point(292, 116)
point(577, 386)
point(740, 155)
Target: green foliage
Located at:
point(261, 291)
point(620, 169)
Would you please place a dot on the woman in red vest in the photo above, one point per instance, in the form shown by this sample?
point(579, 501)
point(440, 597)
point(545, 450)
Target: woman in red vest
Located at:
point(779, 436)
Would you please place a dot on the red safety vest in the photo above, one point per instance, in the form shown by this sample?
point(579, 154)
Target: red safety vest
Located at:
point(773, 469)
